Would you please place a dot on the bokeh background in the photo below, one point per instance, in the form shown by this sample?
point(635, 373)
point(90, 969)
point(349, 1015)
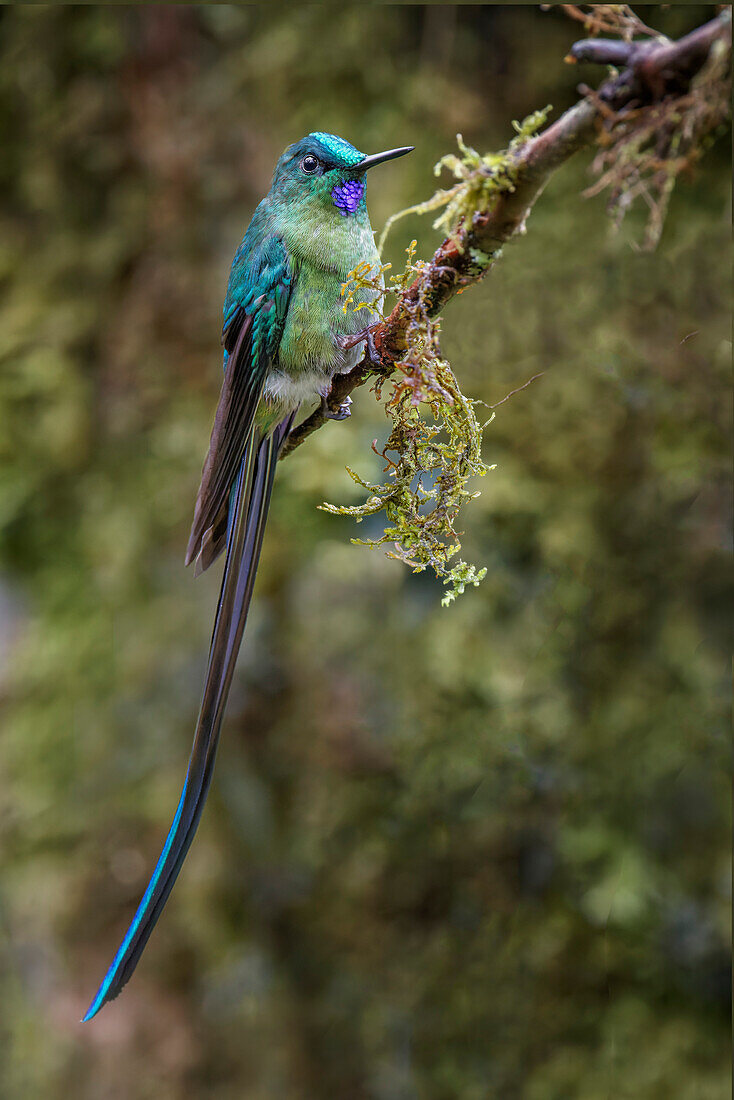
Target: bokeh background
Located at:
point(478, 852)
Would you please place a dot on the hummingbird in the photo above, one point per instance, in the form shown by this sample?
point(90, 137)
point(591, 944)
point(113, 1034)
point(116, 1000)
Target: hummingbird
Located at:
point(285, 336)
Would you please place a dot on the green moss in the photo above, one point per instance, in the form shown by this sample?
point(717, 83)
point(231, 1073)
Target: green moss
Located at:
point(481, 178)
point(433, 449)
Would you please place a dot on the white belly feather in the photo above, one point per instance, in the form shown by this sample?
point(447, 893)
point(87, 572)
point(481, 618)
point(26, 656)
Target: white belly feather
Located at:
point(311, 384)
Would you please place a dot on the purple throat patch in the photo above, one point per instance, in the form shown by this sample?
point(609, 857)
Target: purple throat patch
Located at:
point(347, 196)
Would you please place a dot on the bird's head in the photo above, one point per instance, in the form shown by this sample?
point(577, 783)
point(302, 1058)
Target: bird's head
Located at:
point(323, 169)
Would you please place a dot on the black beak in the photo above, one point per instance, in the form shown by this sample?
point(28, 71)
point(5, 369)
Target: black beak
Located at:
point(378, 158)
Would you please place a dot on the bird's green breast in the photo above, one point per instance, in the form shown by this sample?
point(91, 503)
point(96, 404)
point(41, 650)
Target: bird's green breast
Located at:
point(315, 316)
point(323, 251)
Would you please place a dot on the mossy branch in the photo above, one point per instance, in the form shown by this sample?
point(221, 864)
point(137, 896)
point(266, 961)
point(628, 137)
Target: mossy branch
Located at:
point(650, 121)
point(646, 80)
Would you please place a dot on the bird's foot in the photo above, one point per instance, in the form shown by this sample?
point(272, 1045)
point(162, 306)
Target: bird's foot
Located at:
point(365, 336)
point(342, 413)
point(372, 353)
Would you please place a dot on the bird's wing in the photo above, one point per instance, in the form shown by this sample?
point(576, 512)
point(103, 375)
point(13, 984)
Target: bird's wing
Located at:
point(255, 312)
point(254, 470)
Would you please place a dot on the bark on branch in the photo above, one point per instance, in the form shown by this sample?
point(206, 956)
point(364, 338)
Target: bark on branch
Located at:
point(652, 68)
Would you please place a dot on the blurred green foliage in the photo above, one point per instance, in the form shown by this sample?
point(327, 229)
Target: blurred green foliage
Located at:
point(470, 853)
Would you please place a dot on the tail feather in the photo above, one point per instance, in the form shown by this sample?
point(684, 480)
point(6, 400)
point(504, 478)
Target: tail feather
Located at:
point(252, 492)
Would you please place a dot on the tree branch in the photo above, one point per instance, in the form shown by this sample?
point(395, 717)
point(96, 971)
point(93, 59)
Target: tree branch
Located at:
point(652, 69)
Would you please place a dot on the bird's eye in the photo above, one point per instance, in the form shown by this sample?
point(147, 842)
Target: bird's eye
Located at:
point(310, 163)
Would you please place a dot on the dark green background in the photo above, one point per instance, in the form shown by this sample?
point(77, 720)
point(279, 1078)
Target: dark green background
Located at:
point(472, 853)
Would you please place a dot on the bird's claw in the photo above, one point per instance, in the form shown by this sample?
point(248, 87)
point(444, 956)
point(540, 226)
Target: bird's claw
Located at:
point(372, 353)
point(342, 413)
point(346, 343)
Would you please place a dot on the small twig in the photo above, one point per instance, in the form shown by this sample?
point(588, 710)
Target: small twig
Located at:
point(602, 51)
point(607, 19)
point(513, 392)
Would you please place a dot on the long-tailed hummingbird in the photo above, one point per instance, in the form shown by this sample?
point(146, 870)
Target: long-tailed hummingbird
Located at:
point(285, 336)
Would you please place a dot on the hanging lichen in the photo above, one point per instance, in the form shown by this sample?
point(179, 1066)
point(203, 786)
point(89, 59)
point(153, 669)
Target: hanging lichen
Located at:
point(644, 149)
point(433, 449)
point(435, 443)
